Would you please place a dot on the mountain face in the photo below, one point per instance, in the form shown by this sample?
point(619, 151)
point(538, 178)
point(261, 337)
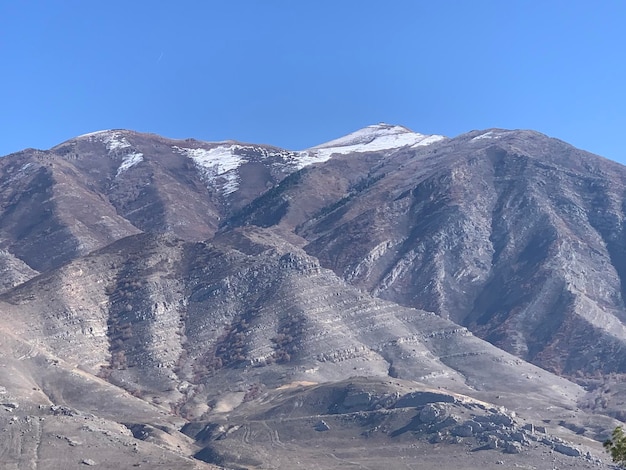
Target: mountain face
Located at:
point(98, 188)
point(514, 235)
point(227, 304)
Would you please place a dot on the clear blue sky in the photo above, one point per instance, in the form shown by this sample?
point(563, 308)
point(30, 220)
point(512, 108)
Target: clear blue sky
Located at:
point(295, 73)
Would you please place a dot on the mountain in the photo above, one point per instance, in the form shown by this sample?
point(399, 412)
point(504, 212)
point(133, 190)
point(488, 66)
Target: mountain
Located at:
point(185, 304)
point(376, 138)
point(90, 191)
point(512, 234)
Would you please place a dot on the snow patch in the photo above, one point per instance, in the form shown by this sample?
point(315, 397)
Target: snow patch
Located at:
point(232, 182)
point(376, 138)
point(114, 140)
point(220, 159)
point(218, 162)
point(487, 135)
point(25, 167)
point(93, 134)
point(367, 135)
point(428, 140)
point(309, 157)
point(129, 160)
point(23, 171)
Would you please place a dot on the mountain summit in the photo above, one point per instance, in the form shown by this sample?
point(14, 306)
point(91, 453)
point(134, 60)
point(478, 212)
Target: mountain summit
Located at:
point(376, 138)
point(387, 294)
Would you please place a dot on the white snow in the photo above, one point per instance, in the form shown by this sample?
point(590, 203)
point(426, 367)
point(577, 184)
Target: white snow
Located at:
point(232, 182)
point(219, 165)
point(491, 135)
point(129, 160)
point(220, 161)
point(367, 135)
point(375, 138)
point(428, 140)
point(118, 146)
point(18, 174)
point(308, 157)
point(25, 167)
point(114, 140)
point(92, 134)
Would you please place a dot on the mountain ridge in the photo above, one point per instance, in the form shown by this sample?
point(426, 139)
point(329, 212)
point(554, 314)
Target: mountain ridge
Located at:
point(448, 188)
point(375, 276)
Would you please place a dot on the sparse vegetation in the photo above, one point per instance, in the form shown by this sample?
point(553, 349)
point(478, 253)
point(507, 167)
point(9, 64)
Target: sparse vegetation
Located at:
point(285, 344)
point(229, 350)
point(616, 446)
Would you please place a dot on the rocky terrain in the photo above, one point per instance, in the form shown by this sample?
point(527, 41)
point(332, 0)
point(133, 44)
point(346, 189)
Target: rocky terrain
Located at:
point(385, 297)
point(514, 235)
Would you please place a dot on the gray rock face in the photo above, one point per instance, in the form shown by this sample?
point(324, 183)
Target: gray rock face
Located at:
point(13, 271)
point(567, 450)
point(463, 430)
point(493, 442)
point(433, 413)
point(424, 398)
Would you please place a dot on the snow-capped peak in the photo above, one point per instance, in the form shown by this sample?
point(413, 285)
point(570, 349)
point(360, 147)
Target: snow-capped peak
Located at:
point(114, 140)
point(220, 161)
point(94, 134)
point(367, 135)
point(118, 147)
point(374, 138)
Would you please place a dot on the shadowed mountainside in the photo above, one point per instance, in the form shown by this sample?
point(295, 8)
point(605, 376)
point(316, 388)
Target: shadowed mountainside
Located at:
point(515, 235)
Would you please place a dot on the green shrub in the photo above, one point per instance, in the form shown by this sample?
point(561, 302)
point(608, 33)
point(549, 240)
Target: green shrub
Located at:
point(616, 446)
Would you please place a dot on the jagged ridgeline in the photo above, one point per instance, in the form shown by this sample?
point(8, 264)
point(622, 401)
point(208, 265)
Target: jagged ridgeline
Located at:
point(387, 295)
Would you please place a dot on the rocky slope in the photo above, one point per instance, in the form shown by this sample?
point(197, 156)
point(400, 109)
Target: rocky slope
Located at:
point(238, 305)
point(206, 332)
point(13, 271)
point(160, 316)
point(83, 194)
point(515, 235)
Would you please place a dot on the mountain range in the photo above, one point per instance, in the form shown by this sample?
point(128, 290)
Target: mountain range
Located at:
point(386, 298)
